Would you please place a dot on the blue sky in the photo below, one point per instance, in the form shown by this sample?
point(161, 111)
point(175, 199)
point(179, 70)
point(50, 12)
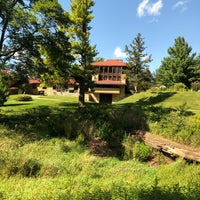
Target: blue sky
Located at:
point(117, 22)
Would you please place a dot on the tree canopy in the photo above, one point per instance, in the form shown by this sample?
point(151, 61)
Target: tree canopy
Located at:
point(179, 66)
point(31, 32)
point(138, 73)
point(83, 51)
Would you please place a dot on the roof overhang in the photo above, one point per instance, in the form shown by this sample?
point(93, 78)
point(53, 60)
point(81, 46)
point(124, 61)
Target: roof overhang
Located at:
point(109, 63)
point(109, 82)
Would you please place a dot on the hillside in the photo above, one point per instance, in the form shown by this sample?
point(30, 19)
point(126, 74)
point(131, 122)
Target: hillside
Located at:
point(166, 99)
point(45, 154)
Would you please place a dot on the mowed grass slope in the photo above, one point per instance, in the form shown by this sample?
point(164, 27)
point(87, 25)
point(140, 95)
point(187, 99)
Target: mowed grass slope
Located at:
point(166, 99)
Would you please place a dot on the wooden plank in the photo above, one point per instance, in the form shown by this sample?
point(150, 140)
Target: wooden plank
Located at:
point(171, 147)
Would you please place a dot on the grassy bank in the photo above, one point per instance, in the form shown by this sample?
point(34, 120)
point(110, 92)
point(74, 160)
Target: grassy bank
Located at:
point(63, 169)
point(44, 152)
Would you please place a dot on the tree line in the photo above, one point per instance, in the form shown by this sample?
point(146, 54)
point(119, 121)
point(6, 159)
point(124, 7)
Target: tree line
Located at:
point(40, 39)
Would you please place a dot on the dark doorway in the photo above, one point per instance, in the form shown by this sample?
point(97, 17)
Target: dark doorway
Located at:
point(105, 98)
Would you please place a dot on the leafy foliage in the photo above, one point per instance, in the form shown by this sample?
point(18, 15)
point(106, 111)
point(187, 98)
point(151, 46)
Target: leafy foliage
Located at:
point(179, 87)
point(3, 90)
point(81, 16)
point(24, 98)
point(195, 86)
point(31, 32)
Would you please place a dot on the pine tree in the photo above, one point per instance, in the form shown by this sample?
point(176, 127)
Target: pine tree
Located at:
point(138, 73)
point(81, 16)
point(179, 66)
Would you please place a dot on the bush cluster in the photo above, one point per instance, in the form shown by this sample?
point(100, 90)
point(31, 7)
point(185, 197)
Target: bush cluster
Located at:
point(179, 87)
point(24, 98)
point(195, 86)
point(3, 91)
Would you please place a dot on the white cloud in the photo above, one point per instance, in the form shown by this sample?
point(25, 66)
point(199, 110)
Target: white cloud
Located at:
point(154, 9)
point(119, 53)
point(142, 7)
point(147, 8)
point(181, 5)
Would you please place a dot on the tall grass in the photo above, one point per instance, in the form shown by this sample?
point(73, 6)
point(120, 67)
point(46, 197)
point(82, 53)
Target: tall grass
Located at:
point(68, 171)
point(44, 152)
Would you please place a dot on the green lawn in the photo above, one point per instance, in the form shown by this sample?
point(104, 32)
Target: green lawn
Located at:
point(55, 101)
point(166, 99)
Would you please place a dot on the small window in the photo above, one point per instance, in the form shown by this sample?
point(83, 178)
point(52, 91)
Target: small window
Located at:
point(105, 69)
point(101, 69)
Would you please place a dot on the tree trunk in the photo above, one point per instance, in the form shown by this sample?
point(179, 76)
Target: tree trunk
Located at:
point(81, 99)
point(171, 148)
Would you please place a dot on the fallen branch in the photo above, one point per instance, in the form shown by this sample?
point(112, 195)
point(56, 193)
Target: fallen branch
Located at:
point(171, 148)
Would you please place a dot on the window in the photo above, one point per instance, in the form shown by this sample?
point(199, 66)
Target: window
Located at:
point(105, 69)
point(101, 69)
point(114, 69)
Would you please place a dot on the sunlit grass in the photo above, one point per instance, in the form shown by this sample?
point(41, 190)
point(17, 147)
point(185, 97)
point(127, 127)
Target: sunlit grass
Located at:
point(68, 170)
point(173, 101)
point(53, 101)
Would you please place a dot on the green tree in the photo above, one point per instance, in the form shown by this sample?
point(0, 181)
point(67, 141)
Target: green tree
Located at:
point(16, 33)
point(83, 51)
point(55, 47)
point(138, 74)
point(31, 32)
point(179, 66)
point(3, 89)
point(197, 68)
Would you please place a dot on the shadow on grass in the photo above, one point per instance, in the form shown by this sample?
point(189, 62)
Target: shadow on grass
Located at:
point(161, 96)
point(107, 122)
point(15, 104)
point(110, 123)
point(68, 104)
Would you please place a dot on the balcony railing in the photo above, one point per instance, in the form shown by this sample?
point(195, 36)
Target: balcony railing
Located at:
point(106, 90)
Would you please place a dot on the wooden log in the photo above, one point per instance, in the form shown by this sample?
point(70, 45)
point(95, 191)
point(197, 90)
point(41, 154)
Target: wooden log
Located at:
point(172, 148)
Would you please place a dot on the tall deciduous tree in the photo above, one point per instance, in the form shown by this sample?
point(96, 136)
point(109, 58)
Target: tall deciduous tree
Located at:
point(138, 73)
point(79, 32)
point(179, 66)
point(26, 27)
point(3, 88)
point(10, 41)
point(54, 47)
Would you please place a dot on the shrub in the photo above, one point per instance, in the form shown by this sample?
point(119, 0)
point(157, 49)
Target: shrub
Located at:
point(163, 88)
point(30, 168)
point(183, 109)
point(128, 148)
point(141, 151)
point(137, 150)
point(24, 98)
point(179, 87)
point(195, 86)
point(3, 91)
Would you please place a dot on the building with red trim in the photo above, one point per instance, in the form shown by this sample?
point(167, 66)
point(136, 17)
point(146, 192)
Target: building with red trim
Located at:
point(109, 80)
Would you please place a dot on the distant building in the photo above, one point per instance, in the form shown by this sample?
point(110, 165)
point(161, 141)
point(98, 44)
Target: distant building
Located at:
point(32, 86)
point(109, 80)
